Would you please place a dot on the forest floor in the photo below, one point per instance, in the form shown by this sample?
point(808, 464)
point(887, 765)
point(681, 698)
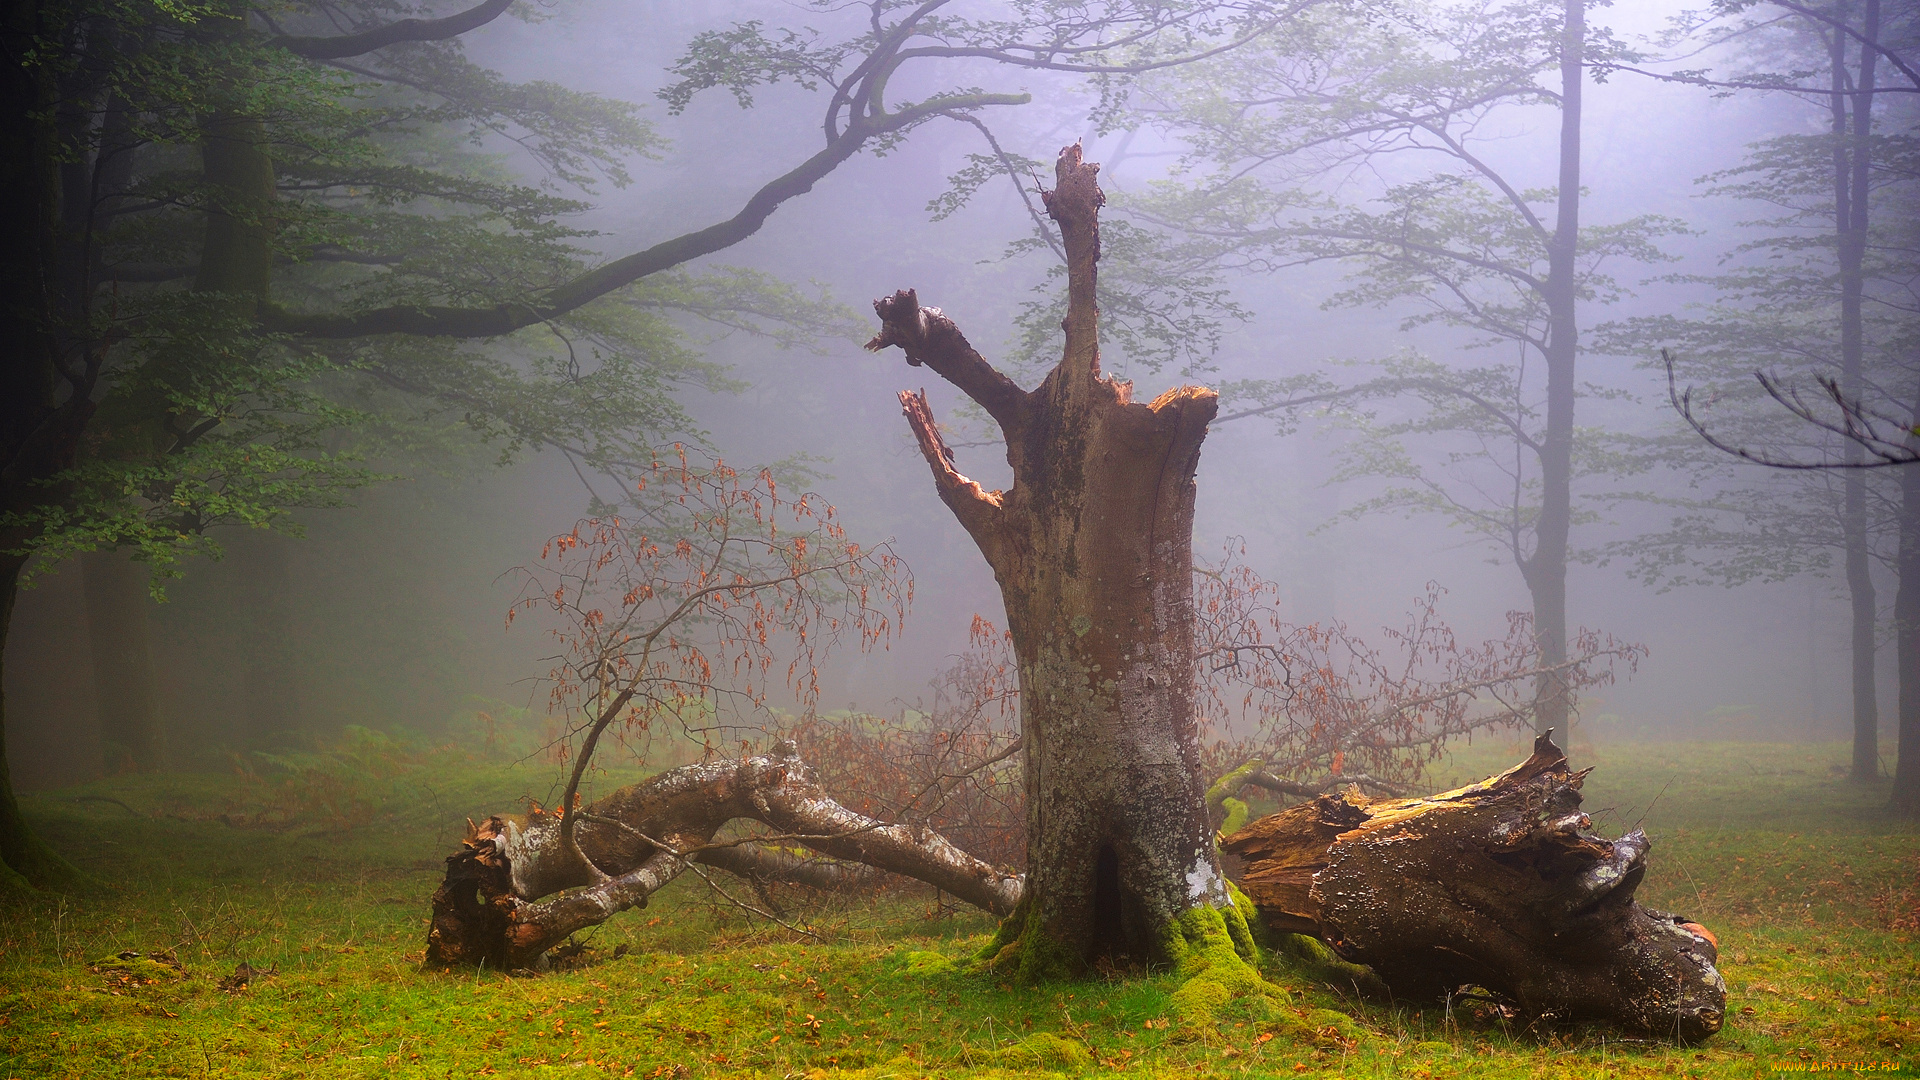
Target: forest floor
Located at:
point(1811, 887)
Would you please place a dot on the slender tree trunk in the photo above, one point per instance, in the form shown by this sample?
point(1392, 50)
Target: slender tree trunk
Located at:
point(131, 734)
point(237, 257)
point(1906, 619)
point(1546, 570)
point(1865, 612)
point(237, 261)
point(1092, 548)
point(1851, 151)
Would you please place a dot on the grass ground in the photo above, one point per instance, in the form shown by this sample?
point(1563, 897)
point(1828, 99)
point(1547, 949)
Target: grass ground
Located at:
point(1811, 887)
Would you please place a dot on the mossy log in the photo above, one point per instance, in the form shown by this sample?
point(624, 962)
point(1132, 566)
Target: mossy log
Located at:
point(1500, 885)
point(491, 909)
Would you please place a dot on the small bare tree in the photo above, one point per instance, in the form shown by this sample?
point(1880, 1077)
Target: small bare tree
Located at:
point(1300, 709)
point(716, 591)
point(694, 604)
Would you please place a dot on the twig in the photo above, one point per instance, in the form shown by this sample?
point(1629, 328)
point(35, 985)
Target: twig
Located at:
point(1856, 425)
point(106, 799)
point(741, 904)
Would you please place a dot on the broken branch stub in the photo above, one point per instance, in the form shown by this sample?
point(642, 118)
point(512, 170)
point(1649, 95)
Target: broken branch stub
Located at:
point(491, 908)
point(1499, 885)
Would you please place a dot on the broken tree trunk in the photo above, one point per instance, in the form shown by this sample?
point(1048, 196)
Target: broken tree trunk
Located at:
point(1499, 885)
point(490, 909)
point(1092, 548)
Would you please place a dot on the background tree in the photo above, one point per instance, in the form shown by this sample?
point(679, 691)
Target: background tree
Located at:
point(1828, 295)
point(1469, 244)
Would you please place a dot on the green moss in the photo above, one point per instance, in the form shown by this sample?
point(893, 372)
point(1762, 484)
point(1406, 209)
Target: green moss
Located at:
point(1006, 934)
point(1020, 950)
point(1214, 950)
point(1244, 929)
point(1221, 797)
point(923, 962)
point(1236, 816)
point(1040, 1049)
point(1311, 958)
point(136, 967)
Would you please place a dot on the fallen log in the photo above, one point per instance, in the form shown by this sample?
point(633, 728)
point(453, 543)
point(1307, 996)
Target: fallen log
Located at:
point(1500, 885)
point(491, 909)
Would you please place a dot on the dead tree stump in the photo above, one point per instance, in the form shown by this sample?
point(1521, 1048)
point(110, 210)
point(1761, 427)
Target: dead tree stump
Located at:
point(1499, 885)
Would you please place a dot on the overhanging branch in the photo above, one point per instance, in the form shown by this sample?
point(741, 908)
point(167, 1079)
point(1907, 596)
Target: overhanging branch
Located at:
point(394, 33)
point(500, 319)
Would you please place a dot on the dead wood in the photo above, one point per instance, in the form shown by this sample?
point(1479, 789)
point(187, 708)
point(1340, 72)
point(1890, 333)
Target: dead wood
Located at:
point(492, 907)
point(1500, 885)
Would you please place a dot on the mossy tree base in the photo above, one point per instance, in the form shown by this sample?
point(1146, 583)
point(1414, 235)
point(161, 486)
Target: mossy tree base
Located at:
point(1214, 948)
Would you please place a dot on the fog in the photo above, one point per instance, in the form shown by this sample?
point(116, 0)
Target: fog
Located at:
point(395, 607)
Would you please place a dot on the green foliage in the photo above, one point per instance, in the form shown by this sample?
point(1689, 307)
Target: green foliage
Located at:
point(234, 178)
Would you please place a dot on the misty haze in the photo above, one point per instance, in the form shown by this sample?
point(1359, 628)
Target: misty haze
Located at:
point(968, 538)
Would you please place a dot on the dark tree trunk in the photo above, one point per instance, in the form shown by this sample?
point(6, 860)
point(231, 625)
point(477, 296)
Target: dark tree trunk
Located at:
point(236, 260)
point(128, 703)
point(1092, 548)
point(1546, 569)
point(237, 257)
point(38, 429)
point(1865, 620)
point(638, 839)
point(270, 690)
point(24, 859)
point(1499, 885)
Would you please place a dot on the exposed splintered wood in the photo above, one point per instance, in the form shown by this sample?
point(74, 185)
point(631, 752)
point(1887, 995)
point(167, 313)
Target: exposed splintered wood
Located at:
point(1499, 885)
point(491, 909)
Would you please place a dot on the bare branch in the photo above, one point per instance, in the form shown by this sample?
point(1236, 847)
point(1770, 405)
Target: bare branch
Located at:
point(978, 509)
point(1856, 425)
point(929, 337)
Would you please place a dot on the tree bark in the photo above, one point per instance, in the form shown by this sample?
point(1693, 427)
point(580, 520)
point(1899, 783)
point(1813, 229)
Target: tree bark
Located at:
point(25, 860)
point(1498, 885)
point(270, 691)
point(39, 431)
point(1092, 548)
point(488, 911)
point(1905, 798)
point(1546, 569)
point(237, 255)
point(1852, 147)
point(128, 703)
